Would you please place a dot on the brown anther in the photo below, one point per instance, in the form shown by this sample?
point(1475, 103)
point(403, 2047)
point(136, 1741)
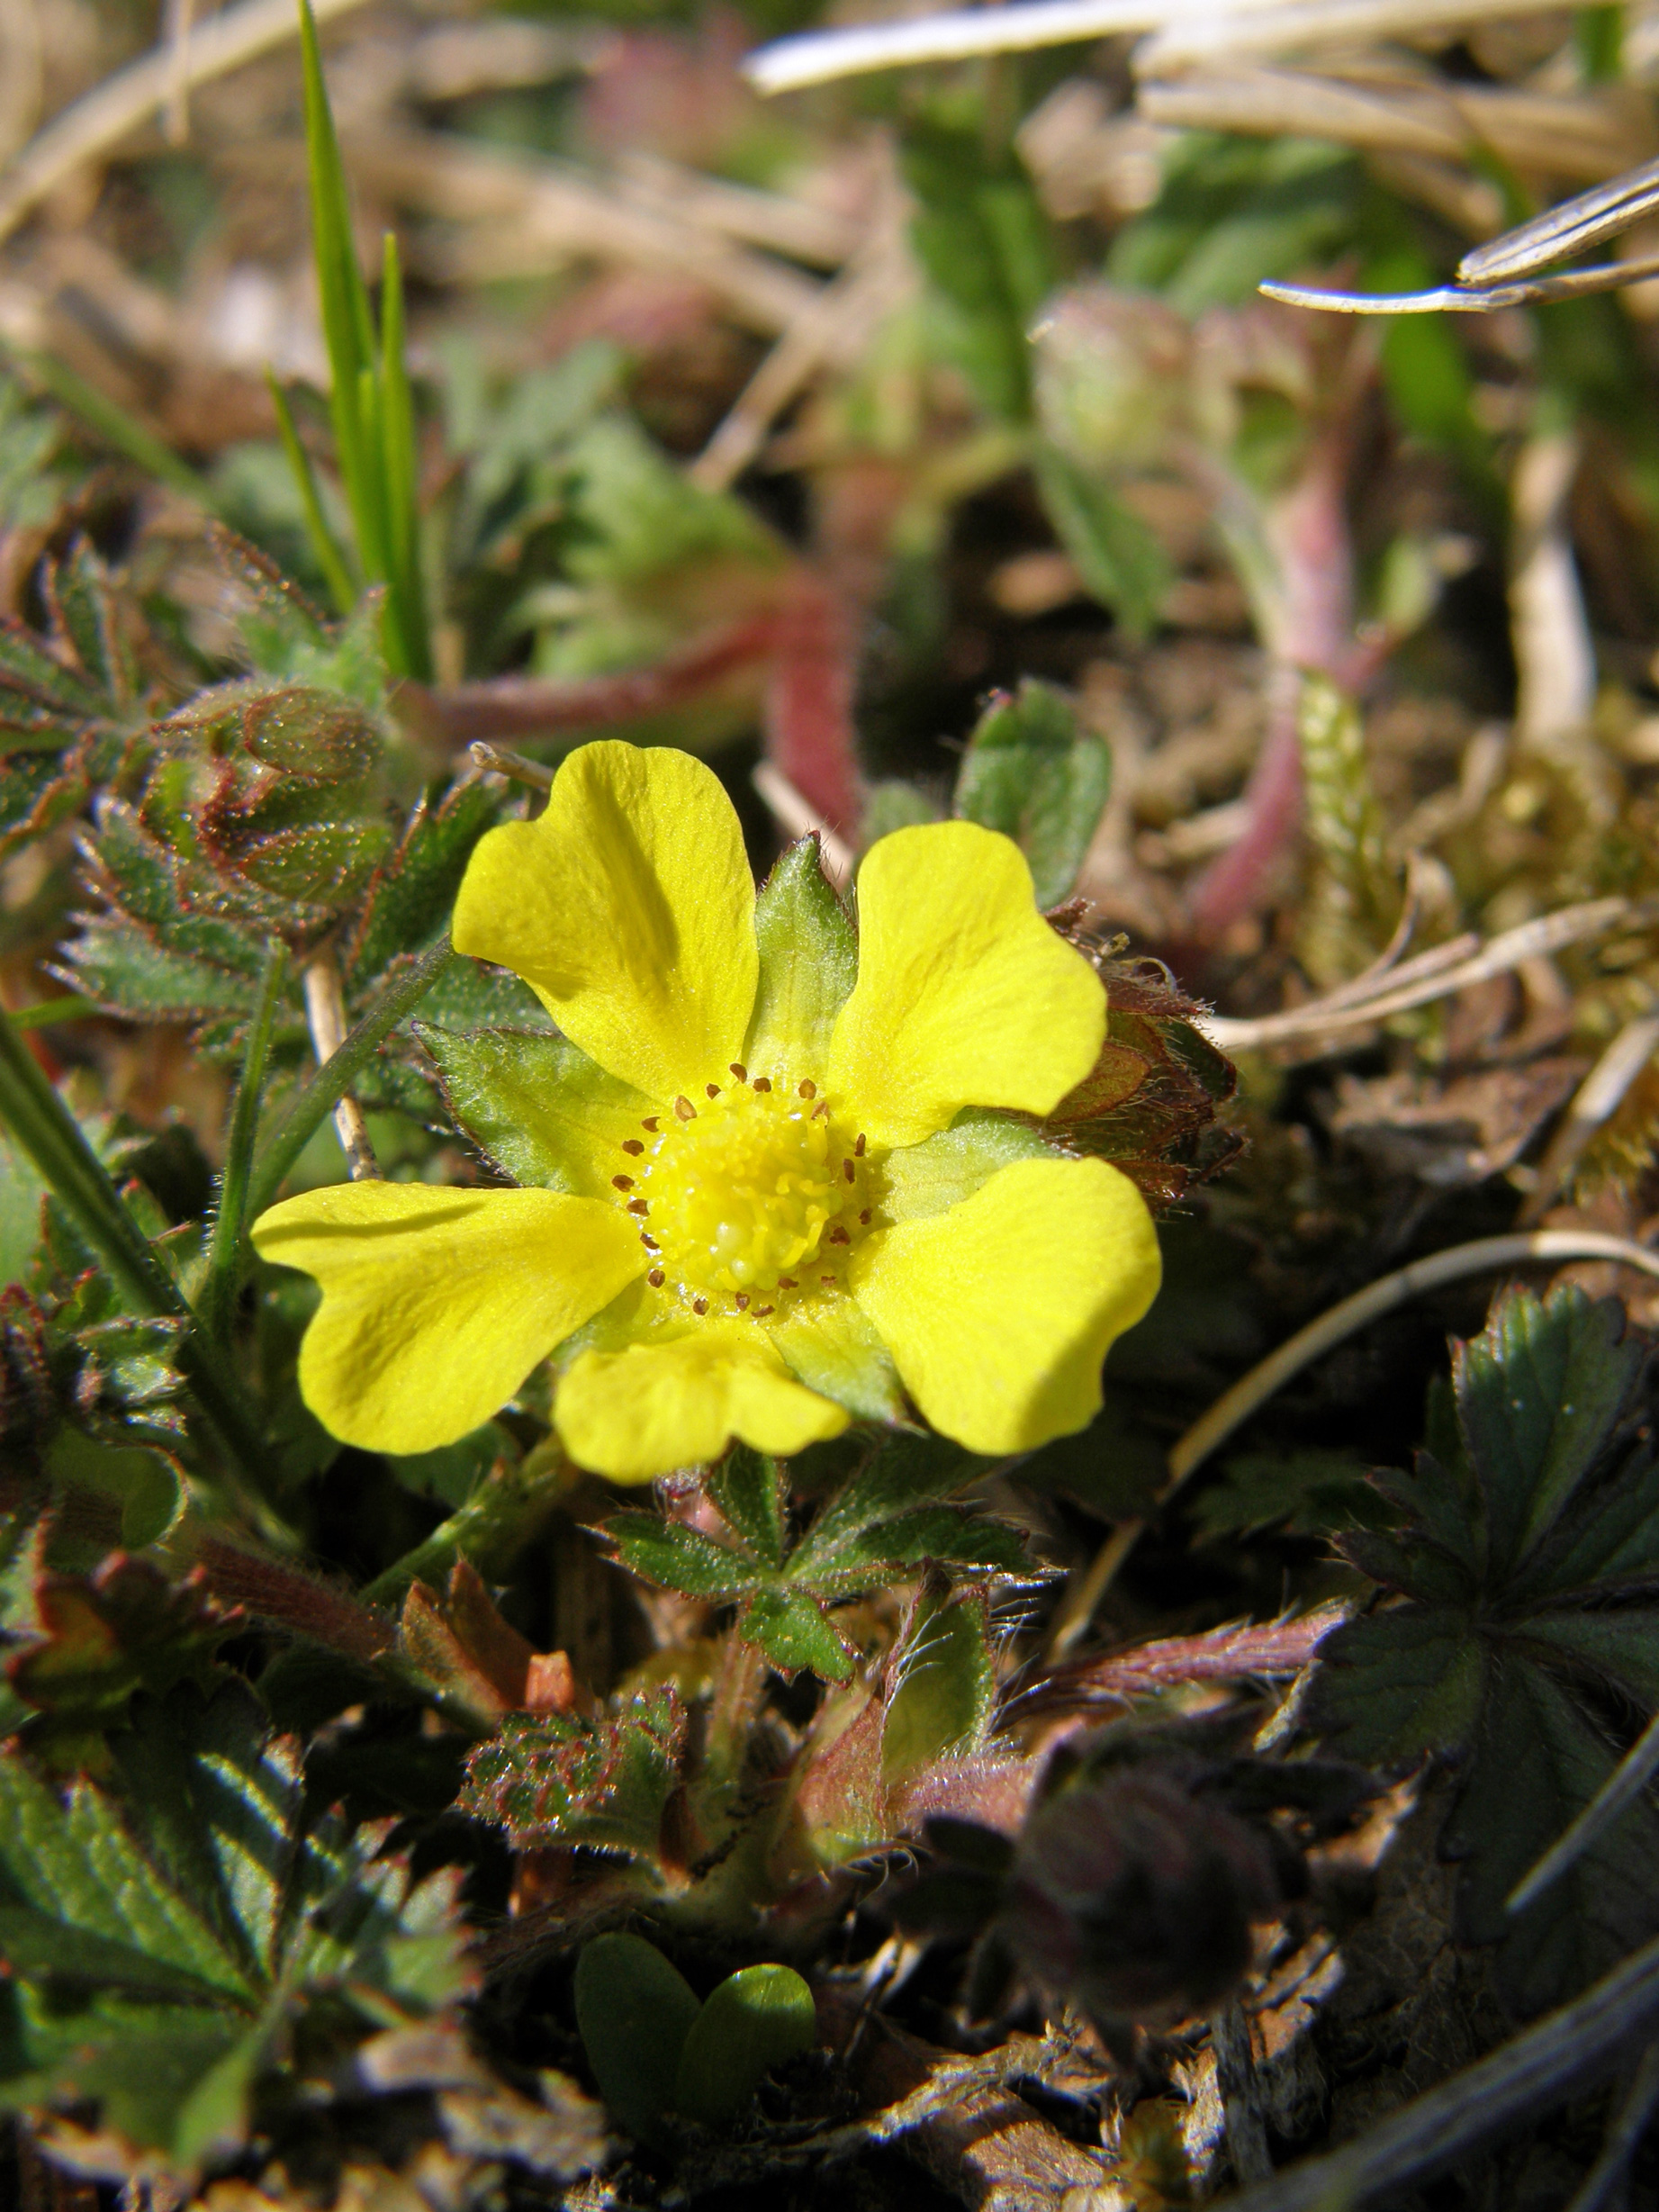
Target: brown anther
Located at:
point(760, 1311)
point(858, 1148)
point(699, 1305)
point(820, 1110)
point(638, 1206)
point(788, 1282)
point(763, 1082)
point(808, 1088)
point(713, 1090)
point(828, 1281)
point(864, 1218)
point(650, 1244)
point(684, 1108)
point(656, 1278)
point(622, 1182)
point(849, 1171)
point(633, 1145)
point(838, 1235)
point(650, 1123)
point(741, 1301)
point(739, 1070)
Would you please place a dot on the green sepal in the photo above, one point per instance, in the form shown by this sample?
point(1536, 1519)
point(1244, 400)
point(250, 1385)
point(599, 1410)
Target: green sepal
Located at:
point(944, 1169)
point(829, 1344)
point(808, 966)
point(946, 1693)
point(536, 1105)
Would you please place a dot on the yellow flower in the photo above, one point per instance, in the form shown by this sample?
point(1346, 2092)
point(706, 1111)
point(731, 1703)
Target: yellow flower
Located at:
point(782, 1181)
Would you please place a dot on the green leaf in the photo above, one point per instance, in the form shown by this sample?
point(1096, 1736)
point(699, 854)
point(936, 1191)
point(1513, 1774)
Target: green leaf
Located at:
point(752, 1494)
point(1538, 1396)
point(532, 1102)
point(1032, 772)
point(754, 2020)
point(794, 1633)
point(557, 1778)
point(808, 963)
point(1120, 558)
point(987, 250)
point(149, 1937)
point(1308, 1492)
point(684, 1559)
point(1397, 1683)
point(946, 1692)
point(1538, 1760)
point(635, 2011)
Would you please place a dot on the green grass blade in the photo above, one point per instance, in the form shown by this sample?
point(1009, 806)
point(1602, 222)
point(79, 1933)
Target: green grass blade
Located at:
point(111, 423)
point(330, 559)
point(399, 470)
point(225, 1247)
point(347, 324)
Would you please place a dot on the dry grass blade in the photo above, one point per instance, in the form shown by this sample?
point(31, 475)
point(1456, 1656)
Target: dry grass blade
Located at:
point(1417, 983)
point(325, 1016)
point(1252, 1391)
point(95, 125)
point(527, 217)
point(796, 816)
point(1596, 1101)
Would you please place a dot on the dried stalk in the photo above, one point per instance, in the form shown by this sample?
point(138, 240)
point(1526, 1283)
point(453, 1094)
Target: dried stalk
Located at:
point(95, 125)
point(1596, 1099)
point(1251, 1392)
point(797, 817)
point(837, 322)
point(1432, 975)
point(820, 57)
point(325, 1018)
point(529, 216)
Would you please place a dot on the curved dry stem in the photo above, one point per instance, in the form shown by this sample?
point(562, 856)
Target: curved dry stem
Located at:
point(1252, 1391)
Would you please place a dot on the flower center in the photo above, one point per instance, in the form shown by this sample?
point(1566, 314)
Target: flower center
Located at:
point(754, 1193)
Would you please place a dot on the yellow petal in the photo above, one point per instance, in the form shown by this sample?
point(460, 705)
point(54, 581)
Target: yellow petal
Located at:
point(999, 1312)
point(628, 908)
point(437, 1304)
point(637, 1414)
point(965, 996)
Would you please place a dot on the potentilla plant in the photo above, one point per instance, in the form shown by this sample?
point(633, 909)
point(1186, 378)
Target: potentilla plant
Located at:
point(775, 1175)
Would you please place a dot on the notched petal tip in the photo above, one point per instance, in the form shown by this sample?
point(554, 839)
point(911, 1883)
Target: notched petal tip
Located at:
point(627, 906)
point(965, 994)
point(437, 1304)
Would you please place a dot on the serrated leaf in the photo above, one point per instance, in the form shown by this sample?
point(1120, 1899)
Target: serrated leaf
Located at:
point(557, 1778)
point(150, 1936)
point(101, 1637)
point(1538, 1395)
point(1399, 1682)
point(1537, 1761)
point(752, 1494)
point(409, 901)
point(684, 1559)
point(1032, 772)
point(793, 1632)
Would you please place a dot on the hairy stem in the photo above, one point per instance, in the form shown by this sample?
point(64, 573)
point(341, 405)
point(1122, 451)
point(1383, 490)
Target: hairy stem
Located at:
point(501, 1511)
point(225, 1247)
point(49, 1133)
point(305, 1114)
